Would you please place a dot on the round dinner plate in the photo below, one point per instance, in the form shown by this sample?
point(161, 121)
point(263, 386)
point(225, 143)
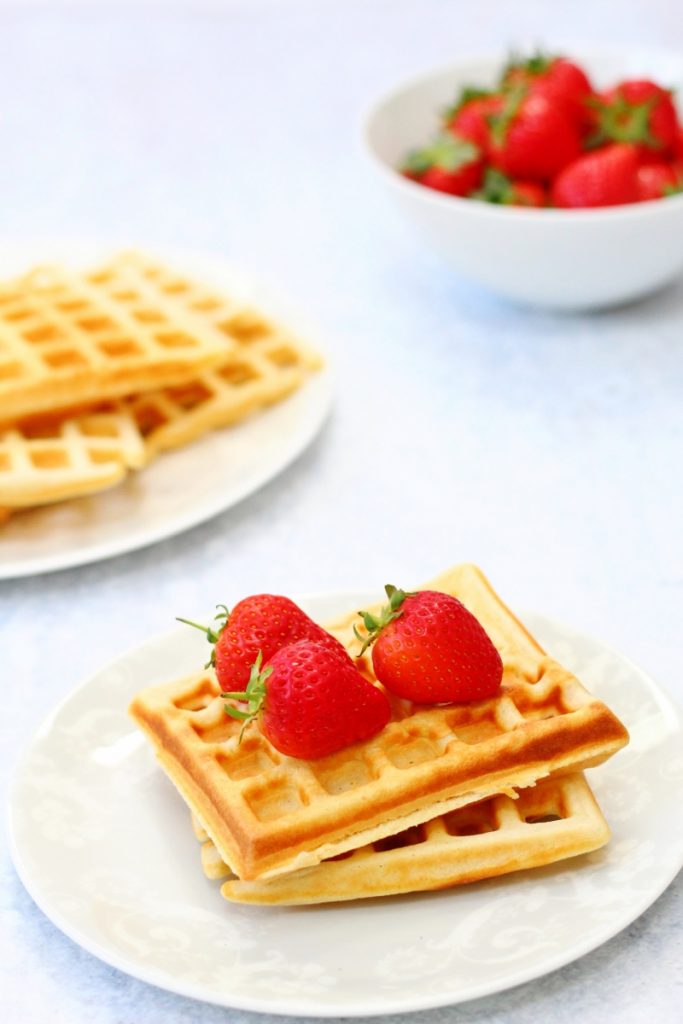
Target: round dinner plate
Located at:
point(104, 845)
point(181, 488)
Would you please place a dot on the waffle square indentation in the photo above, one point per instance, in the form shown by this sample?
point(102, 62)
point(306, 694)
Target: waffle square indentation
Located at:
point(540, 804)
point(473, 820)
point(413, 751)
point(248, 761)
point(409, 837)
point(275, 800)
point(198, 698)
point(344, 775)
point(246, 327)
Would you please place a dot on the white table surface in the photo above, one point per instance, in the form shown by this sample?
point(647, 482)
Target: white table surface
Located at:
point(546, 448)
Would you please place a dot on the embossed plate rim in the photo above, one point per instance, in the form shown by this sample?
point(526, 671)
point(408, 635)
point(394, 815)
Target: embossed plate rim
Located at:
point(418, 994)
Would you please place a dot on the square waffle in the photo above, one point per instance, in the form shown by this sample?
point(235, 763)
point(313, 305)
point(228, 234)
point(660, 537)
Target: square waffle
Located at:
point(556, 819)
point(48, 459)
point(270, 814)
point(67, 340)
point(263, 362)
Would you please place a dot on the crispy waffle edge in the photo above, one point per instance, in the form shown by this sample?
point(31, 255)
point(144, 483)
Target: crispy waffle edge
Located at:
point(514, 759)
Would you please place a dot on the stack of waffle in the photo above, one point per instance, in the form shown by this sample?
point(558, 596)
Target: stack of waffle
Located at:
point(100, 371)
point(443, 795)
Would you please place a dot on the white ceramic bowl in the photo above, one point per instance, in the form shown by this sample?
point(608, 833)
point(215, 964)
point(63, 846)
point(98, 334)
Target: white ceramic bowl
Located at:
point(561, 259)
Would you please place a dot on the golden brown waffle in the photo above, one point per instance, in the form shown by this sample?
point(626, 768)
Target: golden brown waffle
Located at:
point(71, 340)
point(66, 340)
point(269, 814)
point(554, 820)
point(48, 459)
point(263, 361)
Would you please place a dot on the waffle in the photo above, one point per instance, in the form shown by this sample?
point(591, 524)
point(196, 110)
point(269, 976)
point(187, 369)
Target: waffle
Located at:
point(263, 362)
point(66, 340)
point(270, 814)
point(48, 459)
point(554, 820)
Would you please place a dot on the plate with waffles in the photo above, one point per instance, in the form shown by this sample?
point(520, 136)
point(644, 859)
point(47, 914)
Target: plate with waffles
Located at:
point(124, 375)
point(463, 849)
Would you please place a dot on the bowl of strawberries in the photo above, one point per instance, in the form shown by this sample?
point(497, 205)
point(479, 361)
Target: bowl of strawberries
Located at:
point(554, 180)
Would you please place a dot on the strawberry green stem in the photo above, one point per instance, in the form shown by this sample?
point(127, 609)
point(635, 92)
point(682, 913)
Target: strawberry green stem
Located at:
point(254, 696)
point(374, 624)
point(467, 94)
point(501, 122)
point(212, 634)
point(496, 188)
point(537, 64)
point(445, 152)
point(622, 121)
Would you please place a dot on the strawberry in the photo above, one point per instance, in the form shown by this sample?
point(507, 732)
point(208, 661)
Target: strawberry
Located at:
point(499, 189)
point(468, 118)
point(265, 623)
point(604, 177)
point(428, 648)
point(636, 111)
point(447, 165)
point(657, 179)
point(560, 80)
point(311, 701)
point(532, 137)
point(678, 155)
point(527, 193)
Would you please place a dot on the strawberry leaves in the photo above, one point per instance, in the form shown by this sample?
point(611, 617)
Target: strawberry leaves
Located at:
point(467, 94)
point(374, 624)
point(501, 122)
point(212, 635)
point(497, 188)
point(622, 121)
point(435, 651)
point(445, 152)
point(310, 700)
point(537, 64)
point(254, 695)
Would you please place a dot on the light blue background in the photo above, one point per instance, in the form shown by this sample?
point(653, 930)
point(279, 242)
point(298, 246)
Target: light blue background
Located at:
point(546, 448)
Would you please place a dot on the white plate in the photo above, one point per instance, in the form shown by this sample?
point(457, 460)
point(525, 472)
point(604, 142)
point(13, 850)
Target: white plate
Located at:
point(182, 488)
point(103, 844)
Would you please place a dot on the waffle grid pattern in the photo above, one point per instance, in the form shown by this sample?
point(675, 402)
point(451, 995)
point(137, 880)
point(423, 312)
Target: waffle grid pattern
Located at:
point(273, 786)
point(64, 341)
point(473, 842)
point(47, 459)
point(263, 362)
point(268, 813)
point(183, 359)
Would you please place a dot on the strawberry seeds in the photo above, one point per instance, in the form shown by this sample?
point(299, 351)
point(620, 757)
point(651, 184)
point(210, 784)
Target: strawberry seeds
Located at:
point(280, 669)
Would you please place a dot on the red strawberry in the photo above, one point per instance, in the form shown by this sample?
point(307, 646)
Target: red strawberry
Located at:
point(532, 137)
point(604, 177)
point(561, 81)
point(637, 111)
point(527, 193)
point(311, 701)
point(469, 117)
point(430, 649)
point(447, 165)
point(261, 623)
point(678, 155)
point(657, 179)
point(500, 189)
